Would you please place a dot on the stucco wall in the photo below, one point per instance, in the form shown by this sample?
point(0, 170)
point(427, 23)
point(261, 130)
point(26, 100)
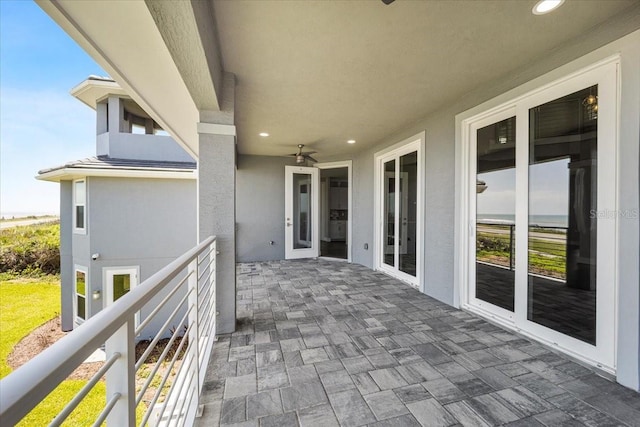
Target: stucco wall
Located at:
point(260, 208)
point(134, 222)
point(66, 256)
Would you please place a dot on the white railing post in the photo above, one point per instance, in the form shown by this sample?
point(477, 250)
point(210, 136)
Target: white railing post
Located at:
point(194, 344)
point(121, 377)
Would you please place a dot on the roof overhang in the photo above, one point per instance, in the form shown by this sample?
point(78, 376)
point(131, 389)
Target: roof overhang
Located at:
point(71, 173)
point(92, 90)
point(124, 39)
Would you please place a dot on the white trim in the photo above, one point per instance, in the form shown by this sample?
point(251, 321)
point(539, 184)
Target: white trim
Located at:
point(349, 165)
point(79, 268)
point(414, 143)
point(216, 129)
point(83, 229)
point(80, 173)
point(605, 74)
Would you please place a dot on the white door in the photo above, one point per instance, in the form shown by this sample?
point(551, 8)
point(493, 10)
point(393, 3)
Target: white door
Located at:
point(118, 282)
point(542, 253)
point(301, 212)
point(398, 212)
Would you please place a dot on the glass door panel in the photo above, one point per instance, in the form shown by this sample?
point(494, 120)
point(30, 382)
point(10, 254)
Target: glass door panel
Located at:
point(302, 214)
point(495, 213)
point(563, 152)
point(302, 229)
point(408, 213)
point(399, 213)
point(389, 219)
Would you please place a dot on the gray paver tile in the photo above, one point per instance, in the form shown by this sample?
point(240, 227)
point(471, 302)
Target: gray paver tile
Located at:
point(290, 419)
point(351, 409)
point(233, 410)
point(365, 383)
point(412, 393)
point(264, 404)
point(314, 355)
point(318, 416)
point(303, 395)
point(465, 414)
point(302, 374)
point(401, 421)
point(444, 390)
point(430, 413)
point(240, 386)
point(388, 378)
point(523, 400)
point(385, 404)
point(336, 381)
point(491, 410)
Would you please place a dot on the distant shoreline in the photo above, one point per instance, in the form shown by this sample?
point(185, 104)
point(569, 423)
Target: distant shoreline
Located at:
point(13, 218)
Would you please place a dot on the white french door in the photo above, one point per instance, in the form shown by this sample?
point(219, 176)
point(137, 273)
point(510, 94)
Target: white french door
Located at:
point(542, 171)
point(399, 211)
point(301, 212)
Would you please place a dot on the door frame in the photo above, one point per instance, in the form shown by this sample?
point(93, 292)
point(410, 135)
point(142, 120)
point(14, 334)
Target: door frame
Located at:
point(314, 250)
point(414, 143)
point(605, 73)
point(107, 281)
point(336, 165)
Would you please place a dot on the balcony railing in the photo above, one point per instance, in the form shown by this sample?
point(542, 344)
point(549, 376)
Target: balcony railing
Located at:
point(495, 245)
point(170, 393)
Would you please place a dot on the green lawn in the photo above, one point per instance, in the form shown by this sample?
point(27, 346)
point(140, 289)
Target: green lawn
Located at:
point(26, 304)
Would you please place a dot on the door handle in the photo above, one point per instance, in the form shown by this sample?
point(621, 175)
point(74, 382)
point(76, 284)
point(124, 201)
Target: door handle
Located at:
point(288, 224)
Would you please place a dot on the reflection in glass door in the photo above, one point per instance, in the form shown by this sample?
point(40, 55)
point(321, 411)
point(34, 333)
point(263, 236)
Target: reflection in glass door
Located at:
point(542, 253)
point(563, 152)
point(399, 213)
point(496, 213)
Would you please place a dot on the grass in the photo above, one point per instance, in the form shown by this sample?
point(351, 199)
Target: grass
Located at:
point(546, 257)
point(26, 304)
point(31, 250)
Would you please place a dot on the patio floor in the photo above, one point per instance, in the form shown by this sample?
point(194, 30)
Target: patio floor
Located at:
point(323, 343)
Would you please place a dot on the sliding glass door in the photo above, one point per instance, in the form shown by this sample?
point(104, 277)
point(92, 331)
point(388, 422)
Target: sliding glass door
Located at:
point(542, 249)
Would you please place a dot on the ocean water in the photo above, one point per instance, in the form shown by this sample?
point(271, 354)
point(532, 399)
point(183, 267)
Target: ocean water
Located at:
point(546, 220)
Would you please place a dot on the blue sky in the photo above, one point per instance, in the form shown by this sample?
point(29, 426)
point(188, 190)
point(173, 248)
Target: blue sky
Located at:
point(41, 124)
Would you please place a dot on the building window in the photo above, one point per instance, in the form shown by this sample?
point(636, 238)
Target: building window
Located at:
point(79, 206)
point(80, 290)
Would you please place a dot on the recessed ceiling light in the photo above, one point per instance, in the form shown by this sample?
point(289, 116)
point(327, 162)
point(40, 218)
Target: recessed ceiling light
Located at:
point(351, 141)
point(264, 134)
point(546, 6)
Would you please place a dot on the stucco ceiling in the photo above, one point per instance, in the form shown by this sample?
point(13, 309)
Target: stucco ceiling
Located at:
point(322, 72)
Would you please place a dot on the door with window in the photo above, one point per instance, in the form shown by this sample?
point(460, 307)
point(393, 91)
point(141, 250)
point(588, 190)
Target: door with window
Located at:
point(119, 281)
point(398, 230)
point(543, 254)
point(301, 212)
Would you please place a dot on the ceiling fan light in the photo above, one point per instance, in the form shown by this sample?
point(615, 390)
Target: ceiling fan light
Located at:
point(299, 158)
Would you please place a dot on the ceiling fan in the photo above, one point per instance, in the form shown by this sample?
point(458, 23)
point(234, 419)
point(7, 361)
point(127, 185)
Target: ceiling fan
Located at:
point(302, 156)
point(387, 1)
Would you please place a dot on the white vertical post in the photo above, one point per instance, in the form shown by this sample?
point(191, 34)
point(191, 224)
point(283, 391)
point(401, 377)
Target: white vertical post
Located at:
point(194, 334)
point(121, 377)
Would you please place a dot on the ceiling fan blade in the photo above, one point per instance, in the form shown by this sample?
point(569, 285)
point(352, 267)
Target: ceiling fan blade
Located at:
point(312, 159)
point(306, 153)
